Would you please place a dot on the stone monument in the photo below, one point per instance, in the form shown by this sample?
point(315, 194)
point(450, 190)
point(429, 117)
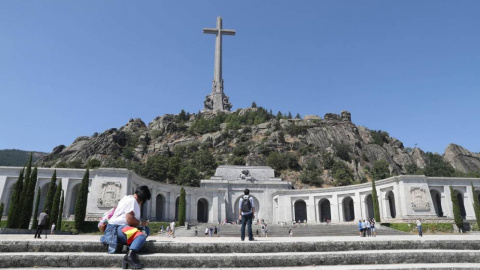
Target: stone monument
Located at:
point(217, 100)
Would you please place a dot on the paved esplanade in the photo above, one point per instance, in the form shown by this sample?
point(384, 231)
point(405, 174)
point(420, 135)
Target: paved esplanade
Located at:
point(217, 100)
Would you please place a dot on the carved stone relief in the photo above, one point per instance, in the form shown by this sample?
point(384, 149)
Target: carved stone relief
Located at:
point(419, 199)
point(110, 194)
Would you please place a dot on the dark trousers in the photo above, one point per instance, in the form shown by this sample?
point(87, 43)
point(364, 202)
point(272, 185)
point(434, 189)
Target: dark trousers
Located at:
point(39, 231)
point(420, 232)
point(246, 219)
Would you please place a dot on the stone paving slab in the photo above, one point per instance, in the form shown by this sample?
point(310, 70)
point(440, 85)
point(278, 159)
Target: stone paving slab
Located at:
point(246, 260)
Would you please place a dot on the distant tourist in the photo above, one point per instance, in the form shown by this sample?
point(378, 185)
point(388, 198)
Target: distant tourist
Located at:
point(263, 230)
point(246, 208)
point(367, 223)
point(360, 227)
point(196, 231)
point(372, 226)
point(52, 229)
point(290, 232)
point(215, 230)
point(364, 228)
point(172, 229)
point(206, 231)
point(257, 233)
point(266, 231)
point(419, 228)
point(126, 228)
point(42, 220)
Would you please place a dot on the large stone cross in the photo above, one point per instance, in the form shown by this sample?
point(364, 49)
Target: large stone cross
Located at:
point(217, 100)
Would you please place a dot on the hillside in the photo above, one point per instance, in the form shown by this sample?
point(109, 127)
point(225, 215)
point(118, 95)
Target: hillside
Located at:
point(14, 157)
point(184, 148)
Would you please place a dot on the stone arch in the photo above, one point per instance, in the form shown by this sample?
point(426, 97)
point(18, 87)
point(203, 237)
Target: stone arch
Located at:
point(461, 203)
point(369, 206)
point(72, 199)
point(437, 202)
point(300, 207)
point(7, 196)
point(177, 205)
point(255, 201)
point(348, 209)
point(324, 209)
point(159, 207)
point(202, 210)
point(390, 197)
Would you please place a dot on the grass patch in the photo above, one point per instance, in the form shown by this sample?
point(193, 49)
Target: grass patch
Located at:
point(427, 227)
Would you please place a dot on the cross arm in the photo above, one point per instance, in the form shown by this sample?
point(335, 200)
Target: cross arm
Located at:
point(210, 30)
point(228, 32)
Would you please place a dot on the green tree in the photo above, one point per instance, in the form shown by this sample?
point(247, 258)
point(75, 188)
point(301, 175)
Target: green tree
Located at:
point(328, 160)
point(15, 203)
point(342, 174)
point(156, 168)
point(26, 182)
point(438, 167)
point(376, 207)
point(35, 213)
point(312, 174)
point(456, 210)
point(379, 137)
point(342, 151)
point(380, 170)
point(476, 206)
point(81, 202)
point(93, 163)
point(182, 207)
point(298, 116)
point(60, 213)
point(2, 206)
point(188, 176)
point(29, 197)
point(254, 105)
point(51, 192)
point(277, 161)
point(413, 169)
point(56, 204)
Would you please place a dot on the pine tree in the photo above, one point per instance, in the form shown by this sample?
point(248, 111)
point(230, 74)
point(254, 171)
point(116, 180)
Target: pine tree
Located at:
point(51, 192)
point(182, 207)
point(456, 210)
point(29, 196)
point(1, 210)
point(81, 202)
point(26, 182)
point(56, 204)
point(376, 207)
point(254, 105)
point(289, 115)
point(15, 200)
point(298, 116)
point(60, 213)
point(35, 213)
point(476, 206)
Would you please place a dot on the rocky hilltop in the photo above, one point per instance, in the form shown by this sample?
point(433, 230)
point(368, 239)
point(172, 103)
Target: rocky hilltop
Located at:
point(253, 136)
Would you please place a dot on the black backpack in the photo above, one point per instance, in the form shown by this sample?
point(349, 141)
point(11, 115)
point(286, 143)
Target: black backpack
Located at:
point(246, 205)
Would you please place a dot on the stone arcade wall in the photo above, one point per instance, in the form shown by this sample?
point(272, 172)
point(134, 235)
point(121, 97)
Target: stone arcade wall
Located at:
point(401, 198)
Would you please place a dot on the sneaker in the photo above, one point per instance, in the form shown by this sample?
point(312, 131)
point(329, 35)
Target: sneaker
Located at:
point(253, 239)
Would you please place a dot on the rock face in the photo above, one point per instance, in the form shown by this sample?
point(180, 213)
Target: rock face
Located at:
point(306, 138)
point(461, 159)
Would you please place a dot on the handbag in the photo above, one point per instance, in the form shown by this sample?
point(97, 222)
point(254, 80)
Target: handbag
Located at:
point(102, 224)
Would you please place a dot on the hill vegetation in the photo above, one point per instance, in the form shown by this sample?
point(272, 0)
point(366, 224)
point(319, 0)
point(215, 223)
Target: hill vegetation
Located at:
point(14, 157)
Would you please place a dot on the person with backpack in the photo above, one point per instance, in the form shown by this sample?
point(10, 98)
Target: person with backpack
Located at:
point(246, 208)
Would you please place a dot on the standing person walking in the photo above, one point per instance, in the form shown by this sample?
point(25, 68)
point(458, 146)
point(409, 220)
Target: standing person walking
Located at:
point(419, 228)
point(42, 220)
point(172, 229)
point(52, 230)
point(246, 208)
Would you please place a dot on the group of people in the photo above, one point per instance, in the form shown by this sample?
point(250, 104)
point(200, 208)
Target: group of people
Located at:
point(366, 227)
point(170, 230)
point(264, 230)
point(212, 231)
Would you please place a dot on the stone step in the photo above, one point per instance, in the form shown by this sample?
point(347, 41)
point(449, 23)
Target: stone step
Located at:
point(241, 260)
point(236, 246)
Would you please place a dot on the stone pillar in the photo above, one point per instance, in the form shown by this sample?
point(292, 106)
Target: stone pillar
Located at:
point(400, 205)
point(335, 208)
point(357, 206)
point(171, 205)
point(448, 210)
point(468, 202)
point(214, 217)
point(188, 207)
point(316, 206)
point(311, 209)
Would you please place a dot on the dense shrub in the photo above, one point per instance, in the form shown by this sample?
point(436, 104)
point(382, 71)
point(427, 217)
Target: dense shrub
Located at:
point(379, 137)
point(342, 174)
point(380, 170)
point(312, 173)
point(294, 130)
point(342, 151)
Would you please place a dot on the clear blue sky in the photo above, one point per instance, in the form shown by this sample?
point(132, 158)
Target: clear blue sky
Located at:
point(72, 68)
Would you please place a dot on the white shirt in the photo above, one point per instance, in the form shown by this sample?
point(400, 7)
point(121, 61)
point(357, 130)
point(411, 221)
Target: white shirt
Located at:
point(172, 225)
point(126, 205)
point(419, 223)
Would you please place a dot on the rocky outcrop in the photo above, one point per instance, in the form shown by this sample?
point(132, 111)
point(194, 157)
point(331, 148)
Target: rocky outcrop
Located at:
point(306, 138)
point(461, 159)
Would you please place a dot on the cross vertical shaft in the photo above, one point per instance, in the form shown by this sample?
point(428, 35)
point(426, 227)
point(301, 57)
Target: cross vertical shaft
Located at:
point(217, 100)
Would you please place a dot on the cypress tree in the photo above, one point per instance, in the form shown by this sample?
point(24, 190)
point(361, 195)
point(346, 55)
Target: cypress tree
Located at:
point(29, 196)
point(1, 210)
point(35, 213)
point(456, 210)
point(51, 192)
point(376, 208)
point(476, 206)
point(15, 200)
point(182, 207)
point(60, 213)
point(28, 172)
point(81, 202)
point(56, 204)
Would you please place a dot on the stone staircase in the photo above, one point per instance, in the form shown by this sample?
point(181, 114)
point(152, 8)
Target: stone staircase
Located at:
point(257, 254)
point(343, 229)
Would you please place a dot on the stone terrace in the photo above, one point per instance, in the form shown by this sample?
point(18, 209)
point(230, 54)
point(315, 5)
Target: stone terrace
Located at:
point(331, 252)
